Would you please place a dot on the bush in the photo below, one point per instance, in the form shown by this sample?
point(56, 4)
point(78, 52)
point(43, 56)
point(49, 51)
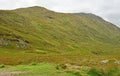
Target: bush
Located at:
point(2, 66)
point(61, 66)
point(74, 73)
point(33, 63)
point(111, 72)
point(95, 72)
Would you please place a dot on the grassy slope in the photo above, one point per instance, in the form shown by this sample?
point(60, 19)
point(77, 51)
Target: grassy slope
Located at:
point(36, 34)
point(44, 30)
point(67, 32)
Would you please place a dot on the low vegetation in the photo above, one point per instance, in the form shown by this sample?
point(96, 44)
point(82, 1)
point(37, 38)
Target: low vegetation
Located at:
point(49, 69)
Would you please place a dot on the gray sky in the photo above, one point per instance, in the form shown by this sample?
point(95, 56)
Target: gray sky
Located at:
point(108, 9)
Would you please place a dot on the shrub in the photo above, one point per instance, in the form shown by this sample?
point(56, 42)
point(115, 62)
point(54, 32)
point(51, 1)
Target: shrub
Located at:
point(61, 66)
point(33, 63)
point(2, 66)
point(111, 72)
point(74, 73)
point(94, 72)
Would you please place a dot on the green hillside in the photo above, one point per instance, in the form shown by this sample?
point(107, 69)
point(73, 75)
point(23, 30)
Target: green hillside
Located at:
point(47, 43)
point(41, 30)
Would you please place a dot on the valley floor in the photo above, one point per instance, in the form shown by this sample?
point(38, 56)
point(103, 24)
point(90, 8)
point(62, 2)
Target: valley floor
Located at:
point(50, 69)
point(69, 64)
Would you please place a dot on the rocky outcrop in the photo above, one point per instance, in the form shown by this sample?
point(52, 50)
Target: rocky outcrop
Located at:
point(8, 40)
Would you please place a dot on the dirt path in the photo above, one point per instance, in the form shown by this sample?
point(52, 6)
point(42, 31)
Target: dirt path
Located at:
point(8, 73)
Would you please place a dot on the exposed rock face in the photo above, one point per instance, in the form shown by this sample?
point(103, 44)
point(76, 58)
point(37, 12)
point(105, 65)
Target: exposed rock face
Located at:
point(115, 61)
point(14, 41)
point(4, 42)
point(105, 61)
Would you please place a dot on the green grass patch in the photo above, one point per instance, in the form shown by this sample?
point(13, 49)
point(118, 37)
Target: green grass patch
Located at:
point(43, 69)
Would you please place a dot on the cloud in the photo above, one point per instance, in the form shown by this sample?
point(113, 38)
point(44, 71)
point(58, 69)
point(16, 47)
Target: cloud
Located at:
point(12, 4)
point(108, 9)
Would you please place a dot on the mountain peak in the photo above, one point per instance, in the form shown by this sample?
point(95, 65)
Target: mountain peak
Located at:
point(32, 8)
point(91, 15)
point(36, 7)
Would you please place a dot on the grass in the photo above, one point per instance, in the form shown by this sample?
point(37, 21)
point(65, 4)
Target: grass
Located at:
point(49, 69)
point(42, 69)
point(45, 63)
point(110, 72)
point(22, 57)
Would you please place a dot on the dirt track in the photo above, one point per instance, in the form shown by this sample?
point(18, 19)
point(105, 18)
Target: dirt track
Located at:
point(8, 73)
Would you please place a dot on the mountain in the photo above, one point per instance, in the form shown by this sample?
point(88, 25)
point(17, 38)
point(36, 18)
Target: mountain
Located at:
point(39, 29)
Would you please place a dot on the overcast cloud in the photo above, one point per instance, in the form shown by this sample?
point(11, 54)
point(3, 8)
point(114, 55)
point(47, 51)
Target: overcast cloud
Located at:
point(108, 9)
